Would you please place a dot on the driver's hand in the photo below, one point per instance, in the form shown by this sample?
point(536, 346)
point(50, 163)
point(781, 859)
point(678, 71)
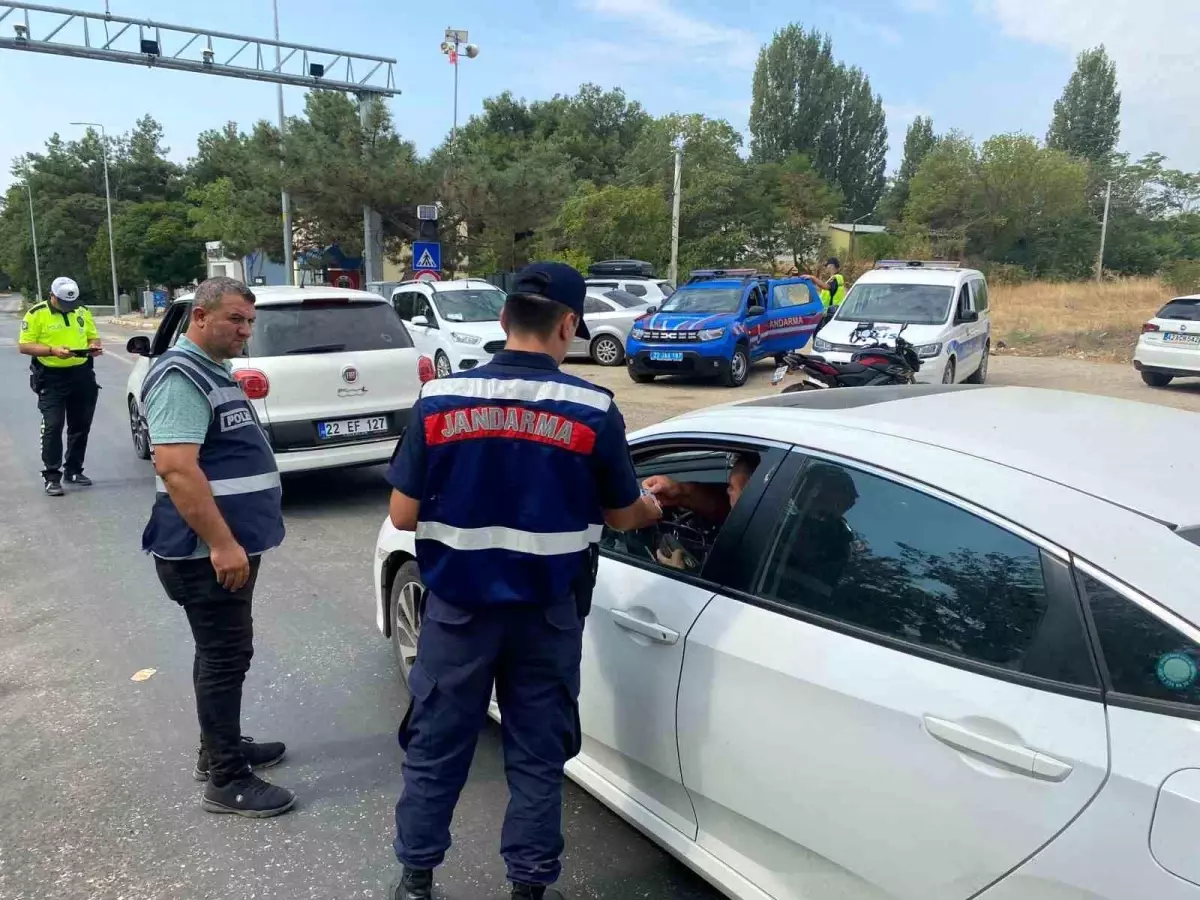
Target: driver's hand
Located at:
point(665, 488)
point(673, 559)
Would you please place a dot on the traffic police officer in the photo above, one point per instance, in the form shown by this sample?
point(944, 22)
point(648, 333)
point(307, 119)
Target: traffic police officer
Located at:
point(61, 337)
point(507, 474)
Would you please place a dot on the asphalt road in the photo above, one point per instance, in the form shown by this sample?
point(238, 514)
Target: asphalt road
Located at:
point(96, 795)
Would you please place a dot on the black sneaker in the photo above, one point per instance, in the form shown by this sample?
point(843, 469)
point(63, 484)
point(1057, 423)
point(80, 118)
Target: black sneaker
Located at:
point(54, 489)
point(248, 796)
point(414, 884)
point(79, 479)
point(260, 756)
point(534, 892)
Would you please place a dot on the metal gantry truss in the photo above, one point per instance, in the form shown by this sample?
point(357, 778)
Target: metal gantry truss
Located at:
point(143, 42)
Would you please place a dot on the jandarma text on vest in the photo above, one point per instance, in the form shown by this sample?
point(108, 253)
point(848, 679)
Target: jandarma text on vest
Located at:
point(508, 422)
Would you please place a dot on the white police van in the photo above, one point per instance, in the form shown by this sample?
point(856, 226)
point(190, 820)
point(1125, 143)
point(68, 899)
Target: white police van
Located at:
point(942, 307)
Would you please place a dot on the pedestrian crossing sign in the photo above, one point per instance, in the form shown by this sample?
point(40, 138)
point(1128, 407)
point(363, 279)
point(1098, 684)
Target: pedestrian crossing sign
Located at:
point(427, 256)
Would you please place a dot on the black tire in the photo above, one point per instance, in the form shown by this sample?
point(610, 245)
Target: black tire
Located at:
point(139, 431)
point(606, 350)
point(948, 372)
point(979, 376)
point(641, 377)
point(406, 608)
point(739, 367)
point(441, 365)
point(1157, 379)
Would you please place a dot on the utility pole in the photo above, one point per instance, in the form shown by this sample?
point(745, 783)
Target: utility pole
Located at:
point(285, 200)
point(37, 266)
point(677, 185)
point(372, 248)
point(454, 45)
point(1103, 233)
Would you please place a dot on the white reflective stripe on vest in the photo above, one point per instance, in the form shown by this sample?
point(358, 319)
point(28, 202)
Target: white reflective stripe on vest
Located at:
point(225, 487)
point(497, 537)
point(516, 389)
point(226, 395)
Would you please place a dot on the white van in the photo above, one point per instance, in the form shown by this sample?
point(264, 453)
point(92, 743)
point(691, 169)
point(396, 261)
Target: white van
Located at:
point(942, 307)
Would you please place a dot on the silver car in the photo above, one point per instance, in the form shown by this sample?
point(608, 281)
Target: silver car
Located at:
point(609, 315)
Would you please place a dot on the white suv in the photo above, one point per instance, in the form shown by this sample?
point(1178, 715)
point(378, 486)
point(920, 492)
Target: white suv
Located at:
point(455, 323)
point(331, 373)
point(942, 308)
point(1169, 347)
point(652, 290)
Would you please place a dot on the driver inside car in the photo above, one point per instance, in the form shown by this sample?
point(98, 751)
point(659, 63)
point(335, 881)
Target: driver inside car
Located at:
point(711, 502)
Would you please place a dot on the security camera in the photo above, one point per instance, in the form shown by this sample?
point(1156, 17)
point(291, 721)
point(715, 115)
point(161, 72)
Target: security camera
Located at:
point(207, 54)
point(22, 32)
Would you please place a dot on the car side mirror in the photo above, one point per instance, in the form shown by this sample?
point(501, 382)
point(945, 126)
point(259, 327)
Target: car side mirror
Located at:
point(756, 311)
point(139, 345)
point(651, 309)
point(420, 320)
point(969, 315)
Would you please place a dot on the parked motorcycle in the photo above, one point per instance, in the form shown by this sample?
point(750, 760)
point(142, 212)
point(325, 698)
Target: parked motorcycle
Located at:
point(876, 362)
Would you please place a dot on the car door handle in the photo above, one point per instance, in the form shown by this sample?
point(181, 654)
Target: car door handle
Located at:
point(1023, 759)
point(657, 633)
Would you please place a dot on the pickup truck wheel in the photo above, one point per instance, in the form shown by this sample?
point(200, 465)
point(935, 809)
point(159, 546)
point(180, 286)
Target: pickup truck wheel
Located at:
point(739, 367)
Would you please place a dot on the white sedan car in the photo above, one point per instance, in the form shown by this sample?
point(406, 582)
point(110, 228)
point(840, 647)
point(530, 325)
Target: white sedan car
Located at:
point(945, 646)
point(1169, 347)
point(331, 373)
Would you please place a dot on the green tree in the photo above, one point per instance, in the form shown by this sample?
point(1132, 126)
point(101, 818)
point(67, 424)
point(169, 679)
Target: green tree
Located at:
point(1087, 117)
point(155, 245)
point(804, 102)
point(617, 222)
point(918, 141)
point(789, 201)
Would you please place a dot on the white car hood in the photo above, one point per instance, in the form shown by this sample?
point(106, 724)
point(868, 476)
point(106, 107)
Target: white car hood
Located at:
point(485, 331)
point(838, 332)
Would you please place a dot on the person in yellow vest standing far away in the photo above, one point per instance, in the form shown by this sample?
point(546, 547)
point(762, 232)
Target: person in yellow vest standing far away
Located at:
point(61, 337)
point(833, 290)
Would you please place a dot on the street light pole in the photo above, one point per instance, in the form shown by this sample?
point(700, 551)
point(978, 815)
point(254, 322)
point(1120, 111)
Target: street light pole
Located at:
point(285, 199)
point(37, 266)
point(112, 254)
point(455, 42)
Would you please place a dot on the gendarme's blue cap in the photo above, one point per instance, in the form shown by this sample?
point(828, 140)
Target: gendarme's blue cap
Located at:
point(558, 282)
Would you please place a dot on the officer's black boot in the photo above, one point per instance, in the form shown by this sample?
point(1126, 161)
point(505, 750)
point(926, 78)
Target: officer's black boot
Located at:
point(78, 479)
point(54, 487)
point(414, 884)
point(522, 891)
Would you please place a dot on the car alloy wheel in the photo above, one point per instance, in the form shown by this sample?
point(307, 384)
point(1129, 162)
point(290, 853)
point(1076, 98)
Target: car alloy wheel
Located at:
point(606, 351)
point(139, 431)
point(407, 610)
point(442, 362)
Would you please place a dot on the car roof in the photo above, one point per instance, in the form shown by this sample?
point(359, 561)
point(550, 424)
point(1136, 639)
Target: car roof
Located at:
point(1119, 451)
point(607, 279)
point(271, 295)
point(930, 275)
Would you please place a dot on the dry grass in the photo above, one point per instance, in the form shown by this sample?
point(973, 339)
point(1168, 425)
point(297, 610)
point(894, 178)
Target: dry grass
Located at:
point(1080, 319)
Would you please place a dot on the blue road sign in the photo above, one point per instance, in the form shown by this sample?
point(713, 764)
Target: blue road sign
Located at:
point(427, 256)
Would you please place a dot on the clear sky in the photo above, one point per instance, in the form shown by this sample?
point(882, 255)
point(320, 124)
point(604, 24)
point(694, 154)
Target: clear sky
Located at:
point(981, 66)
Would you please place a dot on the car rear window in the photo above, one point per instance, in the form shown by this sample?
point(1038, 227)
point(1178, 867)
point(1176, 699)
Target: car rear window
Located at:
point(1185, 309)
point(625, 299)
point(326, 326)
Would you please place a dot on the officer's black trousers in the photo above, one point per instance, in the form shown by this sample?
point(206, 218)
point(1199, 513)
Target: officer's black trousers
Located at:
point(67, 398)
point(223, 629)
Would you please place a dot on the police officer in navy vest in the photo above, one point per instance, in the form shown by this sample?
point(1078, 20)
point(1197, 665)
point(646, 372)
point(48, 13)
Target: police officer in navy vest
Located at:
point(216, 511)
point(507, 474)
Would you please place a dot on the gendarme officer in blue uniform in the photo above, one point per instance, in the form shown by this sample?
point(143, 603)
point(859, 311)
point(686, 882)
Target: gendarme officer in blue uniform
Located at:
point(507, 474)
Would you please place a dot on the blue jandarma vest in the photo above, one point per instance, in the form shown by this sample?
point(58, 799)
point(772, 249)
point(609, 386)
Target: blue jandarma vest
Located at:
point(236, 459)
point(510, 502)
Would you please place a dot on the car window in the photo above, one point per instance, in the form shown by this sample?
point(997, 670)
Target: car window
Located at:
point(326, 326)
point(1184, 309)
point(182, 325)
point(593, 305)
point(667, 288)
point(169, 329)
point(404, 305)
point(964, 299)
point(624, 299)
point(785, 295)
point(981, 296)
point(422, 307)
point(863, 550)
point(633, 287)
point(469, 304)
point(1144, 656)
point(602, 284)
point(900, 304)
point(702, 471)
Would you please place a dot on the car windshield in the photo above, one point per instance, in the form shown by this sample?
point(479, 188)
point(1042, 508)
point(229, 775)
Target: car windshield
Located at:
point(469, 305)
point(901, 304)
point(1184, 309)
point(625, 299)
point(704, 299)
point(326, 326)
